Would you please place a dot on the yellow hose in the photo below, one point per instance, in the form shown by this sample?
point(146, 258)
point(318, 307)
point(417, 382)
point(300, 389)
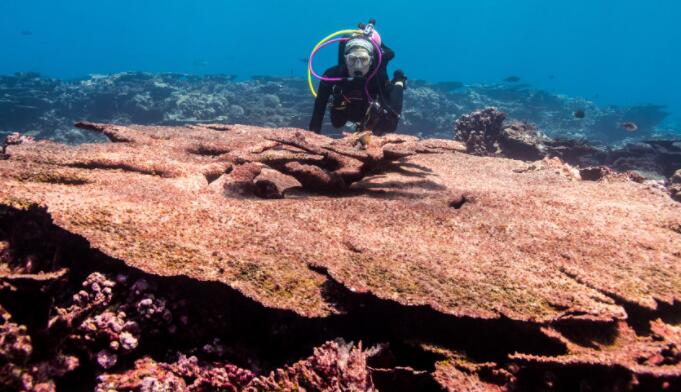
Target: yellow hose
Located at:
point(309, 72)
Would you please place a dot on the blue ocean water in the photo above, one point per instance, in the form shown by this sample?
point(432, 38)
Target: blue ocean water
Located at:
point(621, 52)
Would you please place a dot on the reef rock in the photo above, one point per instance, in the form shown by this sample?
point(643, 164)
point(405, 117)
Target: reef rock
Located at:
point(480, 131)
point(13, 138)
point(410, 235)
point(485, 133)
point(523, 141)
point(676, 178)
point(153, 187)
point(675, 185)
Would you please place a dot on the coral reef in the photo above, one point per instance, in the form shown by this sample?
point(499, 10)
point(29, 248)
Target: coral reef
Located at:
point(480, 131)
point(675, 185)
point(13, 139)
point(485, 133)
point(231, 257)
point(109, 318)
point(333, 366)
point(49, 107)
point(654, 354)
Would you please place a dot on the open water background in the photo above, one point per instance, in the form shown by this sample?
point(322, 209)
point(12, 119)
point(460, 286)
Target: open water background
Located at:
point(621, 52)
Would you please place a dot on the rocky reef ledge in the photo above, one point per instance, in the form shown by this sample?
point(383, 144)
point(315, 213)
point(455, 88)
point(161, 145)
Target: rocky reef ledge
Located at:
point(229, 257)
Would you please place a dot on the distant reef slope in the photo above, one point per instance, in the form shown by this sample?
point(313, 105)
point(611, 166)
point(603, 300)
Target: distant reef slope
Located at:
point(48, 107)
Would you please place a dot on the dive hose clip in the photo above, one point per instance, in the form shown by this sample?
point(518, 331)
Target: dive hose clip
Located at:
point(368, 28)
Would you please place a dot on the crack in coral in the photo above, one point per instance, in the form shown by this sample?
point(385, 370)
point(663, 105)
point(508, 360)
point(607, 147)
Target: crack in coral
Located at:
point(103, 165)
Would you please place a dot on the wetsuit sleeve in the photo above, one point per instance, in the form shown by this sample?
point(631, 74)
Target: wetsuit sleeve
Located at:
point(323, 94)
point(320, 102)
point(388, 54)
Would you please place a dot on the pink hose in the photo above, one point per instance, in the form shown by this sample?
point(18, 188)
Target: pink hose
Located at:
point(324, 78)
point(380, 60)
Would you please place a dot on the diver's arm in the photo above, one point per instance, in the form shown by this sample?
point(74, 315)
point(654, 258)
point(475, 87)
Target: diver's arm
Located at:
point(387, 53)
point(320, 106)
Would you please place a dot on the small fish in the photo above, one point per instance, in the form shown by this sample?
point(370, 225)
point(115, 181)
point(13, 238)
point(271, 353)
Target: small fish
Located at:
point(579, 113)
point(200, 63)
point(552, 76)
point(628, 126)
point(364, 138)
point(512, 79)
point(26, 33)
point(304, 60)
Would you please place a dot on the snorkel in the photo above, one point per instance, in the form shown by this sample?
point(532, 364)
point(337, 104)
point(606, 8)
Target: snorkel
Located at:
point(368, 33)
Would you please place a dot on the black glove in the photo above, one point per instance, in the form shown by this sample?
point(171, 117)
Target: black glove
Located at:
point(399, 76)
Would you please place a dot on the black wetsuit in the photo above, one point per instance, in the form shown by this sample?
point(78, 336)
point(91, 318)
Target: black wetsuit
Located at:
point(349, 102)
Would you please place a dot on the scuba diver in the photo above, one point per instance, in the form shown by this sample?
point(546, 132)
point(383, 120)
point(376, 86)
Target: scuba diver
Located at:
point(358, 86)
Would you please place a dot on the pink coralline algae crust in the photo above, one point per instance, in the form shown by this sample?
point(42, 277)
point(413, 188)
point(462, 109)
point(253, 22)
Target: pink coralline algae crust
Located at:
point(333, 366)
point(418, 250)
point(456, 379)
point(102, 323)
point(146, 376)
point(16, 370)
point(281, 216)
point(13, 139)
point(657, 354)
point(532, 244)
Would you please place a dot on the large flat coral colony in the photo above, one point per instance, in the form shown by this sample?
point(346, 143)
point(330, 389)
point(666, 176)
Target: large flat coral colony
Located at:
point(222, 258)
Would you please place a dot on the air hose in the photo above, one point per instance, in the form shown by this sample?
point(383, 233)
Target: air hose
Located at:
point(330, 40)
point(314, 51)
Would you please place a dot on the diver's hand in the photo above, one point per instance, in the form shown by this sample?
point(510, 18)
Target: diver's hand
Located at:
point(399, 78)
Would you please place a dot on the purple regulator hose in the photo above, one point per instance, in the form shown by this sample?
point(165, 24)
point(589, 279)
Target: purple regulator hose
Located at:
point(324, 78)
point(371, 76)
point(380, 60)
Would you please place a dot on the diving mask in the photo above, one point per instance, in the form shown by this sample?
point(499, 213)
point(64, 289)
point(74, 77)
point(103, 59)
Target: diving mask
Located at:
point(358, 62)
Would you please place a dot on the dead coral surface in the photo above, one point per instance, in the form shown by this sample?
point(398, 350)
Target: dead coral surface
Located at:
point(409, 222)
point(541, 251)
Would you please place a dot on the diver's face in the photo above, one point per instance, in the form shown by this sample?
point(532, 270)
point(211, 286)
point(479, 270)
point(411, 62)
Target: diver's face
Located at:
point(358, 62)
